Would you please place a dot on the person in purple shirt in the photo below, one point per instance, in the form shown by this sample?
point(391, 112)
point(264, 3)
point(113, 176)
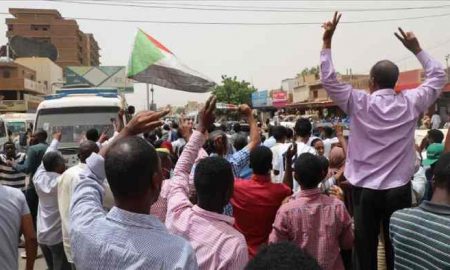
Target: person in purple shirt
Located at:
point(380, 158)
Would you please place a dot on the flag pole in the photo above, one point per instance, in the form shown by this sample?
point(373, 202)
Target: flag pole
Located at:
point(148, 101)
point(151, 90)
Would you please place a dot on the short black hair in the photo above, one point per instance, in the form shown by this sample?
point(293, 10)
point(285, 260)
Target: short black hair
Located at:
point(214, 181)
point(384, 74)
point(130, 165)
point(435, 136)
point(240, 141)
point(314, 141)
point(174, 125)
point(237, 127)
point(92, 135)
point(279, 133)
point(308, 170)
point(303, 127)
point(8, 143)
point(166, 127)
point(282, 256)
point(261, 160)
point(324, 164)
point(52, 160)
point(442, 172)
point(41, 135)
point(86, 149)
point(327, 131)
point(289, 133)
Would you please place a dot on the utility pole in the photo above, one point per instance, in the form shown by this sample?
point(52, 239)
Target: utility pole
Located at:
point(153, 106)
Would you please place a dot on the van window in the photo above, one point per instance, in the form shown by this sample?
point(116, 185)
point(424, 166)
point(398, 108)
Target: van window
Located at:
point(2, 129)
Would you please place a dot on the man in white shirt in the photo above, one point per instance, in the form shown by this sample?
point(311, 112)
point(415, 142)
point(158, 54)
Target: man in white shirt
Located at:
point(435, 121)
point(302, 131)
point(66, 184)
point(279, 133)
point(45, 180)
point(328, 140)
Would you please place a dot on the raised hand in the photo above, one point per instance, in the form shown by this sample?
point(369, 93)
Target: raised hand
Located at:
point(206, 115)
point(409, 40)
point(57, 135)
point(292, 151)
point(339, 130)
point(185, 127)
point(104, 136)
point(245, 110)
point(144, 122)
point(329, 28)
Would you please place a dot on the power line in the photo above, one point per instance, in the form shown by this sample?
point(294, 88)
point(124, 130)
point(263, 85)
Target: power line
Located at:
point(248, 23)
point(202, 7)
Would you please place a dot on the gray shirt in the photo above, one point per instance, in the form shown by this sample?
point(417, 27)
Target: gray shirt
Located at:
point(13, 207)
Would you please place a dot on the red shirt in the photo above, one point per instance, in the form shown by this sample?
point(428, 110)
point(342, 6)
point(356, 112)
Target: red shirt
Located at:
point(255, 204)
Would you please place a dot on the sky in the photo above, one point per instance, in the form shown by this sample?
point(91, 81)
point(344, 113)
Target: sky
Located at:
point(261, 54)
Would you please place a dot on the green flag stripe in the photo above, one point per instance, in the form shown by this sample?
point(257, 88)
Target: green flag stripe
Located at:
point(144, 54)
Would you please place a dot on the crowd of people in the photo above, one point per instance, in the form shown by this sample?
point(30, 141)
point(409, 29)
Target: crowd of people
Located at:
point(190, 195)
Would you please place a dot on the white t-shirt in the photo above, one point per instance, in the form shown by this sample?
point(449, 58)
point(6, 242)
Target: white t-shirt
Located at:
point(301, 148)
point(435, 121)
point(13, 207)
point(327, 143)
point(277, 163)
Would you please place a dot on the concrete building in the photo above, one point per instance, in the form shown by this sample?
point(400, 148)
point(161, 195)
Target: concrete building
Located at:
point(19, 90)
point(75, 48)
point(47, 73)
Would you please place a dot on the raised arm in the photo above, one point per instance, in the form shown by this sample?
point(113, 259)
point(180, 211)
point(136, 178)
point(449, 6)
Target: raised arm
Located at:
point(40, 170)
point(339, 92)
point(340, 135)
point(178, 198)
point(447, 141)
point(288, 178)
point(426, 94)
point(255, 138)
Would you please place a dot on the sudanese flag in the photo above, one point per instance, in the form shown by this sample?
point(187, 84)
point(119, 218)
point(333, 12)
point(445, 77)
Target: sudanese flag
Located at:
point(151, 62)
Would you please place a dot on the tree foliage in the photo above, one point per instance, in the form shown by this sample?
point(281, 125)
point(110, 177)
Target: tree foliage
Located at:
point(233, 91)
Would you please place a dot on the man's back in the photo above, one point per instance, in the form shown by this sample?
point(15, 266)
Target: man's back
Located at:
point(12, 207)
point(421, 237)
point(381, 143)
point(257, 202)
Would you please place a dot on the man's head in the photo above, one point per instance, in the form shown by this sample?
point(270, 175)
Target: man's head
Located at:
point(442, 173)
point(133, 171)
point(434, 152)
point(383, 74)
point(40, 136)
point(319, 146)
point(86, 149)
point(54, 162)
point(214, 183)
point(240, 142)
point(166, 162)
point(261, 160)
point(303, 128)
point(279, 133)
point(308, 171)
point(10, 149)
point(327, 132)
point(435, 136)
point(92, 135)
point(289, 134)
point(218, 142)
point(282, 256)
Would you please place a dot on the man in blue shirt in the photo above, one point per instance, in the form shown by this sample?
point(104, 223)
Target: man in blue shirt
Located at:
point(127, 237)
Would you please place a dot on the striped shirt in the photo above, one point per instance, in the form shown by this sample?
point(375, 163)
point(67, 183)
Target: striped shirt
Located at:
point(421, 237)
point(10, 176)
point(216, 243)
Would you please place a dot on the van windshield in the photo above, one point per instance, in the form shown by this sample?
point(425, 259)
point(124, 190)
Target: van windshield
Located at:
point(75, 121)
point(16, 127)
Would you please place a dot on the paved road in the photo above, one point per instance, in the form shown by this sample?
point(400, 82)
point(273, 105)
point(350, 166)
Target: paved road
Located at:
point(39, 264)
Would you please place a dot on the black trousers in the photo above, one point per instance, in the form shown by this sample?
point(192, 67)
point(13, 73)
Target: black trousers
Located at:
point(370, 209)
point(55, 257)
point(32, 201)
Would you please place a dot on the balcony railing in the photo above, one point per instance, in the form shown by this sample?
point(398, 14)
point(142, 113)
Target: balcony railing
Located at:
point(22, 84)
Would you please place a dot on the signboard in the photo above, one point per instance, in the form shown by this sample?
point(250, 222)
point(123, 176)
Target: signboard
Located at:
point(259, 99)
point(279, 98)
point(102, 76)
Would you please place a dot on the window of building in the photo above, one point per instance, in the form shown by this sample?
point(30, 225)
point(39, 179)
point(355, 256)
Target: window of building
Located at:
point(10, 27)
point(40, 27)
point(315, 94)
point(6, 74)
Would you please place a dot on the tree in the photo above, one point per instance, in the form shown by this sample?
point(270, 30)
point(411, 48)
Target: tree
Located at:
point(309, 71)
point(233, 91)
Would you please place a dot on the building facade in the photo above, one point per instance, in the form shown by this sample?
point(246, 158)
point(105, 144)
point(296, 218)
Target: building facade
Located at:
point(74, 47)
point(47, 73)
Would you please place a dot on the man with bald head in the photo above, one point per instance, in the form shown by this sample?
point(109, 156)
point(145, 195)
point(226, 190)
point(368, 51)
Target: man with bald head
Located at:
point(69, 179)
point(127, 237)
point(380, 158)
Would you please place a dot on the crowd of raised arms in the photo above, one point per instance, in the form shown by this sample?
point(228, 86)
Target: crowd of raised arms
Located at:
point(192, 196)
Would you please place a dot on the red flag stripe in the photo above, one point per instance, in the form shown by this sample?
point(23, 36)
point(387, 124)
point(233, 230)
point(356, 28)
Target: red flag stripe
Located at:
point(157, 43)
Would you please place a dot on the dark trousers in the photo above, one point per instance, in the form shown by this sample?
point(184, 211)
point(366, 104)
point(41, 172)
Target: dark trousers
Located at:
point(55, 257)
point(370, 209)
point(32, 201)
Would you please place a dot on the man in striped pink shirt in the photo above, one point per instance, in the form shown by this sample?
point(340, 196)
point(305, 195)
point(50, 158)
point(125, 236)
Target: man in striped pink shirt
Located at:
point(216, 243)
